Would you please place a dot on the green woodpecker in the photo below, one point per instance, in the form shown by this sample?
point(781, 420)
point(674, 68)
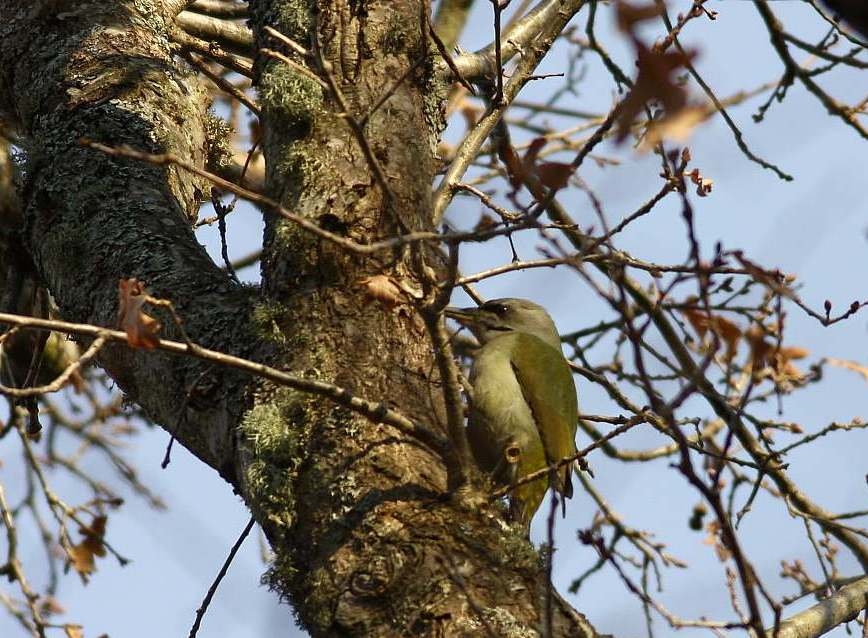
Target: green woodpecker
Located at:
point(524, 412)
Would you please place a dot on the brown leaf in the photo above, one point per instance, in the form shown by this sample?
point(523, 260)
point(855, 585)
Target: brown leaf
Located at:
point(532, 152)
point(703, 184)
point(514, 165)
point(653, 83)
point(793, 352)
point(140, 327)
point(675, 127)
point(783, 366)
point(554, 175)
point(698, 320)
point(727, 331)
point(629, 14)
point(760, 349)
point(82, 557)
point(779, 359)
point(382, 288)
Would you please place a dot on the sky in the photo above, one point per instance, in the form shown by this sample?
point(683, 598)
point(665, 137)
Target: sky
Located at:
point(814, 227)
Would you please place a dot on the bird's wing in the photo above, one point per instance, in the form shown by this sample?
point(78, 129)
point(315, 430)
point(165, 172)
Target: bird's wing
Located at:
point(548, 388)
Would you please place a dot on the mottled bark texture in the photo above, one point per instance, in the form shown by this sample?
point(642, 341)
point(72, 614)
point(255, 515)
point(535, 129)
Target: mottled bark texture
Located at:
point(103, 70)
point(366, 539)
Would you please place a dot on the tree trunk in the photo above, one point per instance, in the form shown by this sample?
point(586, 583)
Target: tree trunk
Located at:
point(367, 539)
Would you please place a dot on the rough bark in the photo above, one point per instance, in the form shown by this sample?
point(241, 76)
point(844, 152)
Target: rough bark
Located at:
point(367, 540)
point(104, 71)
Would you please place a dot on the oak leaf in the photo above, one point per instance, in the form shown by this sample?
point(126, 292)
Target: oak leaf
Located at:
point(727, 331)
point(141, 328)
point(653, 82)
point(82, 557)
point(552, 175)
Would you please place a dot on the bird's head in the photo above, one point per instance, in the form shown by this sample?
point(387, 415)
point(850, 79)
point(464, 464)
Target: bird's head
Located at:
point(503, 316)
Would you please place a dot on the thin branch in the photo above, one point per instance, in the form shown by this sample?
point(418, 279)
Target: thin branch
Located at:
point(200, 613)
point(472, 143)
point(793, 70)
point(13, 569)
point(240, 64)
point(736, 132)
point(529, 30)
point(219, 8)
point(377, 412)
point(269, 204)
point(222, 83)
point(230, 34)
point(838, 608)
point(62, 379)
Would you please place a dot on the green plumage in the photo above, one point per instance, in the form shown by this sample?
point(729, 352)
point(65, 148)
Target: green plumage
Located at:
point(524, 412)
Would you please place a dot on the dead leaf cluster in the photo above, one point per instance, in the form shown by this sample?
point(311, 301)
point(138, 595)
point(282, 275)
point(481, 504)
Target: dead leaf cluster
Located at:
point(552, 175)
point(656, 83)
point(767, 358)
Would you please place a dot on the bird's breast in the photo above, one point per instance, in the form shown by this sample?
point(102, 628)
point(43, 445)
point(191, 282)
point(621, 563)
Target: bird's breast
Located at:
point(499, 407)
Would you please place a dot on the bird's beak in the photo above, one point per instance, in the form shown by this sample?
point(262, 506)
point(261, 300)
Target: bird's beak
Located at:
point(464, 316)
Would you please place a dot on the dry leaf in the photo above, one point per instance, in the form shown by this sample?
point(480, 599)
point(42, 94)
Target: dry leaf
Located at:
point(703, 322)
point(793, 352)
point(554, 175)
point(779, 359)
point(629, 14)
point(73, 631)
point(760, 349)
point(674, 127)
point(533, 150)
point(82, 557)
point(140, 327)
point(514, 165)
point(382, 288)
point(653, 83)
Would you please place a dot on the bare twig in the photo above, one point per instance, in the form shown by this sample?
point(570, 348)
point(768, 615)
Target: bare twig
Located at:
point(200, 612)
point(375, 411)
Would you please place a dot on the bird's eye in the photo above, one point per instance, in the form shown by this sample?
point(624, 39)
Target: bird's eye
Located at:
point(497, 308)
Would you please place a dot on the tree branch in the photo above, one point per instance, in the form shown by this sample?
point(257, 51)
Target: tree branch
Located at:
point(840, 607)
